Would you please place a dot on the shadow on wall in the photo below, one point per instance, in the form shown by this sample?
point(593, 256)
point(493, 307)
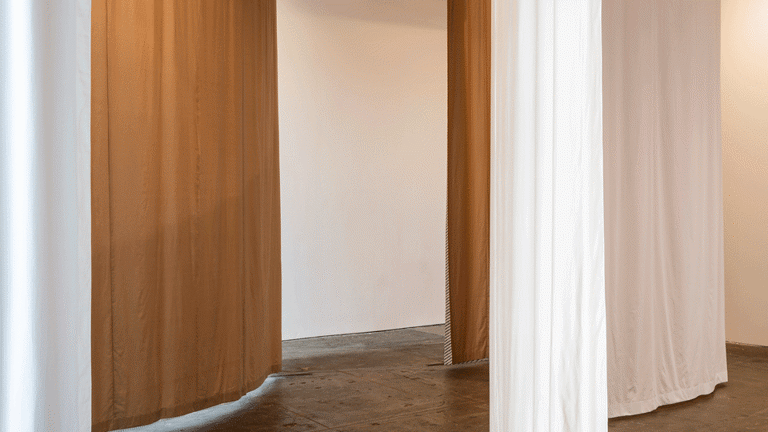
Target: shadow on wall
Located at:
point(415, 13)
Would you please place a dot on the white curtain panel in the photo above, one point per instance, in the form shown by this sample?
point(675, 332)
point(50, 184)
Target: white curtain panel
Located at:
point(547, 340)
point(45, 371)
point(663, 202)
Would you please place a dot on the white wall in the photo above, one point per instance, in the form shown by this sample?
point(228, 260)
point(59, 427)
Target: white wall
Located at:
point(362, 93)
point(744, 81)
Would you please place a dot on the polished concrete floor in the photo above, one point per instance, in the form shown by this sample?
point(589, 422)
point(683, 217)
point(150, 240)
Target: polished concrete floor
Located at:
point(395, 381)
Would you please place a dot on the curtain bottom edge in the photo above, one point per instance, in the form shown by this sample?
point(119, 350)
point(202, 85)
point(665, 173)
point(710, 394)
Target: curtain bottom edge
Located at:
point(180, 410)
point(677, 396)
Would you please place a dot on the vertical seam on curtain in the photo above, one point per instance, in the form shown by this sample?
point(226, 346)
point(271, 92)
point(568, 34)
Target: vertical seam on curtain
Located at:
point(197, 184)
point(109, 214)
point(552, 198)
point(655, 13)
point(535, 219)
point(243, 285)
point(162, 212)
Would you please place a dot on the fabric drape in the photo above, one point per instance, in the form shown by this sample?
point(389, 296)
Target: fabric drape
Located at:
point(548, 355)
point(186, 221)
point(468, 199)
point(45, 262)
point(663, 202)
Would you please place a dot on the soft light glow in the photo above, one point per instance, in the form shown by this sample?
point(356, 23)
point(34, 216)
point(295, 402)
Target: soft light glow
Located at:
point(18, 124)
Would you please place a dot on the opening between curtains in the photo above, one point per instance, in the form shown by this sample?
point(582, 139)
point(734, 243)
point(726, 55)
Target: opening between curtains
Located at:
point(185, 206)
point(469, 164)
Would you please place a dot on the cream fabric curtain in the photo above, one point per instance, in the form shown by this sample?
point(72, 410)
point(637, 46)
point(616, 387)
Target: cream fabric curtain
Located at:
point(469, 145)
point(548, 355)
point(186, 221)
point(45, 263)
point(663, 202)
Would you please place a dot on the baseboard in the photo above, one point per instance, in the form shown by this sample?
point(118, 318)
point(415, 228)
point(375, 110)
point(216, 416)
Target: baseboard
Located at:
point(746, 349)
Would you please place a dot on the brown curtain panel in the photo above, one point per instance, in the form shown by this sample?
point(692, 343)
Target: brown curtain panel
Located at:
point(469, 164)
point(185, 206)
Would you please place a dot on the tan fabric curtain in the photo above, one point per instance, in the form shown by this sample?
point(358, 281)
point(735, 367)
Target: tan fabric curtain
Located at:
point(185, 203)
point(469, 144)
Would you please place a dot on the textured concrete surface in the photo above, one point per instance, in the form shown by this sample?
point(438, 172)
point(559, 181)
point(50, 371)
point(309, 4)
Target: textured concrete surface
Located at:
point(395, 381)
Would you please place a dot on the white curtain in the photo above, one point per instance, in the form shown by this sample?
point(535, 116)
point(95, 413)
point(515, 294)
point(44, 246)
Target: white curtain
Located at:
point(663, 202)
point(45, 216)
point(547, 339)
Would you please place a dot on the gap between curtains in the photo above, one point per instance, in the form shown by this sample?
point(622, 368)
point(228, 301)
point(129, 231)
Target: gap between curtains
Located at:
point(186, 215)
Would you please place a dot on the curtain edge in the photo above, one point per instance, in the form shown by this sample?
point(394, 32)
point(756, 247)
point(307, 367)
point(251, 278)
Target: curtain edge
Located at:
point(83, 154)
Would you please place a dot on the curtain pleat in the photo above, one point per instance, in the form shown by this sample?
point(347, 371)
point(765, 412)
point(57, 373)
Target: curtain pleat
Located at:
point(186, 222)
point(468, 195)
point(548, 355)
point(663, 202)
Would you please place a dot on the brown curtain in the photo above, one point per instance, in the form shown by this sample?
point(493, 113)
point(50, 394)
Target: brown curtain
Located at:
point(185, 205)
point(469, 163)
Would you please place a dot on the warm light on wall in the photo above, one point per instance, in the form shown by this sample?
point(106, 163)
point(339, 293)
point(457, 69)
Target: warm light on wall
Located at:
point(745, 47)
point(744, 87)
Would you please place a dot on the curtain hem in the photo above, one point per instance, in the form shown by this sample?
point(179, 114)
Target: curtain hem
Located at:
point(677, 396)
point(179, 410)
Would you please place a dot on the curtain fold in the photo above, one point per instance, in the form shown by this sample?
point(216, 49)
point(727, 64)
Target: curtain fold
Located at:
point(548, 355)
point(663, 202)
point(186, 221)
point(468, 195)
point(45, 263)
